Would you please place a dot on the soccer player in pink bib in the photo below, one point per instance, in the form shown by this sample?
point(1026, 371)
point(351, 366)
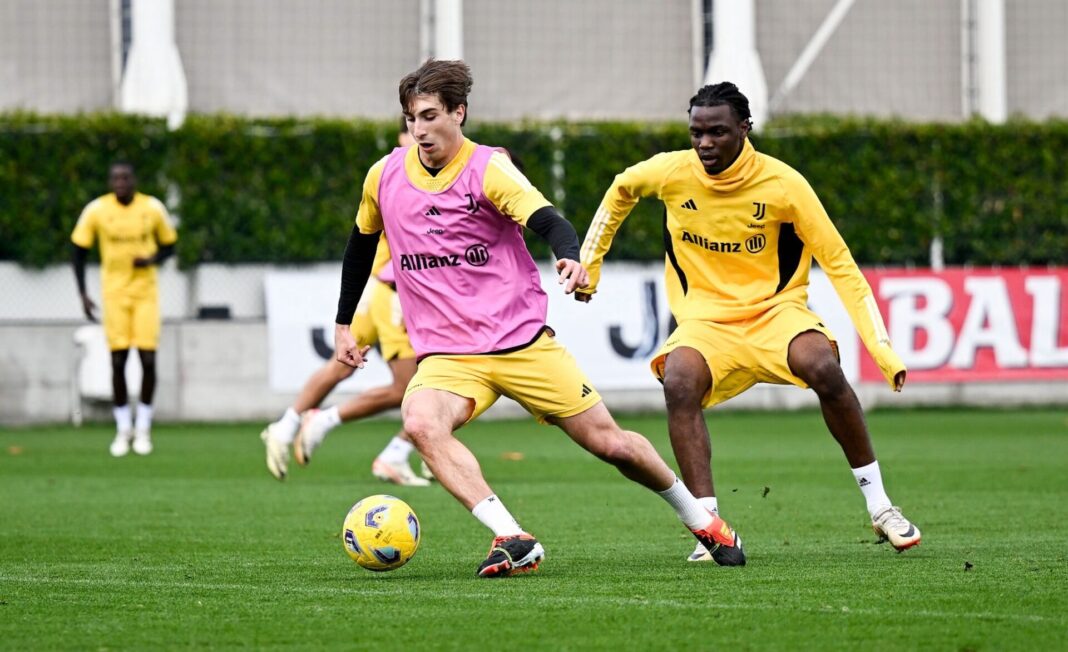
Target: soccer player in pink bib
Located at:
point(471, 295)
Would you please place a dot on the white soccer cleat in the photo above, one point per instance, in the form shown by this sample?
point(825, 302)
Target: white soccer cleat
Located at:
point(120, 446)
point(401, 474)
point(308, 438)
point(277, 454)
point(892, 526)
point(142, 442)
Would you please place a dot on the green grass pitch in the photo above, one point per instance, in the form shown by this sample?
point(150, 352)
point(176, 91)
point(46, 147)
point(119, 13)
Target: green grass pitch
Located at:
point(197, 546)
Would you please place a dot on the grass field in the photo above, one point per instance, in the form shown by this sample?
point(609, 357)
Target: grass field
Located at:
point(196, 546)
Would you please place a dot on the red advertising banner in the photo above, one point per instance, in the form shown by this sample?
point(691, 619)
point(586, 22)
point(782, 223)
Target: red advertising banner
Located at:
point(974, 324)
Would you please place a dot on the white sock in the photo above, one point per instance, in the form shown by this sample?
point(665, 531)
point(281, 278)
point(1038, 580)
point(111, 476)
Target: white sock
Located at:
point(690, 511)
point(144, 417)
point(397, 451)
point(322, 423)
point(285, 429)
point(493, 514)
point(123, 419)
point(870, 482)
point(710, 503)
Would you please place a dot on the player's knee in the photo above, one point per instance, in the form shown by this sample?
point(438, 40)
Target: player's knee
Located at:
point(148, 361)
point(826, 378)
point(118, 359)
point(422, 429)
point(619, 448)
point(682, 391)
point(340, 370)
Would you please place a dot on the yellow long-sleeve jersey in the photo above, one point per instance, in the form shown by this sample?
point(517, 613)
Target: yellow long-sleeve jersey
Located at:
point(740, 242)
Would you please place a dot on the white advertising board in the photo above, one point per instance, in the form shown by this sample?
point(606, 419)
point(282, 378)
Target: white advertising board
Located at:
point(613, 337)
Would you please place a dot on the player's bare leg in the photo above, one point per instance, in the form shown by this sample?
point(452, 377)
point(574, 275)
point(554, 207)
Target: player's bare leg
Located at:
point(123, 419)
point(631, 453)
point(321, 383)
point(686, 382)
point(596, 431)
point(430, 417)
point(142, 439)
point(392, 463)
point(812, 359)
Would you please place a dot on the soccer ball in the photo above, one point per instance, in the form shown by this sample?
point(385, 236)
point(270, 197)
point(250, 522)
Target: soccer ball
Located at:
point(381, 533)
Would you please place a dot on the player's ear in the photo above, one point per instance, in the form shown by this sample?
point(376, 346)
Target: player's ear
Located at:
point(461, 113)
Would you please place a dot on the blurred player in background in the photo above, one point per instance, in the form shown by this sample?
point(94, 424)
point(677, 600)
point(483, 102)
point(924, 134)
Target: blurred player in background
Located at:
point(454, 212)
point(377, 320)
point(741, 231)
point(135, 235)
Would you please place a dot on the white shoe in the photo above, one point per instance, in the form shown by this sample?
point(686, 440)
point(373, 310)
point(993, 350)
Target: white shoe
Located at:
point(277, 454)
point(892, 526)
point(401, 474)
point(120, 446)
point(425, 471)
point(308, 437)
point(142, 442)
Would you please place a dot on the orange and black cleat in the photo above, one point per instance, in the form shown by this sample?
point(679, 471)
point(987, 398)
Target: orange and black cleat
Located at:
point(509, 555)
point(722, 542)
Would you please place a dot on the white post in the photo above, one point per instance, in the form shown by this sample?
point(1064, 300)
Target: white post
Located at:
point(805, 60)
point(154, 82)
point(115, 26)
point(448, 29)
point(734, 55)
point(990, 63)
point(697, 31)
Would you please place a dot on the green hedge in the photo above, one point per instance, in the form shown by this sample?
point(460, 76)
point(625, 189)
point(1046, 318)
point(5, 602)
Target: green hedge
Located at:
point(286, 190)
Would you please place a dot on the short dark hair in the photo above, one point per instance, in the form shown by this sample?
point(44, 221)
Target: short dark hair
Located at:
point(450, 80)
point(720, 94)
point(122, 163)
point(403, 124)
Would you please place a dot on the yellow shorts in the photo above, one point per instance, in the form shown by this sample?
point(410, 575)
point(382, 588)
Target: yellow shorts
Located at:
point(132, 322)
point(378, 320)
point(543, 377)
point(743, 353)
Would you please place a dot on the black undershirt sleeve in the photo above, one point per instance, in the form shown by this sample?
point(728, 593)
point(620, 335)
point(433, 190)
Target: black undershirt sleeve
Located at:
point(355, 270)
point(557, 231)
point(163, 253)
point(78, 256)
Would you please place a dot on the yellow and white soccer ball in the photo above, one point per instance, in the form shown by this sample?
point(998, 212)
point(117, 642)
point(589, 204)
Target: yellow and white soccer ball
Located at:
point(381, 533)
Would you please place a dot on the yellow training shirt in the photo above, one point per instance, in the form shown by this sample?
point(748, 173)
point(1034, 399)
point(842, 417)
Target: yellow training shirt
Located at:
point(503, 184)
point(739, 242)
point(382, 256)
point(126, 232)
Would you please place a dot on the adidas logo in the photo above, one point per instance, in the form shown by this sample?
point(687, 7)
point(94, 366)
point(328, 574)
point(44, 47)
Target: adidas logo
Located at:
point(863, 482)
point(586, 391)
point(690, 205)
point(433, 211)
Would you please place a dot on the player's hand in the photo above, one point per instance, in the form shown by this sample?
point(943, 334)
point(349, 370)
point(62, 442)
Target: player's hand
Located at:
point(88, 307)
point(572, 275)
point(346, 349)
point(142, 262)
point(899, 380)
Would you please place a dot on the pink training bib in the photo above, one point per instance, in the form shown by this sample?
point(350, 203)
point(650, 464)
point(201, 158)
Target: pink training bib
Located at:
point(465, 278)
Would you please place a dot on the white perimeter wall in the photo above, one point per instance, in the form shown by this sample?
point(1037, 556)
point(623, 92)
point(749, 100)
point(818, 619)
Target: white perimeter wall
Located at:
point(220, 370)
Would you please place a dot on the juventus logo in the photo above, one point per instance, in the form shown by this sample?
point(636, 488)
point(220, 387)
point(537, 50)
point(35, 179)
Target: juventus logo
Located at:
point(759, 214)
point(472, 205)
